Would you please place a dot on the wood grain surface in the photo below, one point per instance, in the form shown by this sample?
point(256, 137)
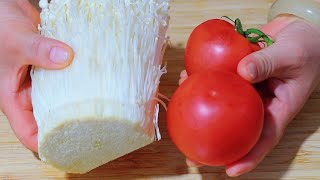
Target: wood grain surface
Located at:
point(296, 157)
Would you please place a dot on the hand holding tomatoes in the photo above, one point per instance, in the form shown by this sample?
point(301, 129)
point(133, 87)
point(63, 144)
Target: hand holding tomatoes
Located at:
point(286, 80)
point(216, 117)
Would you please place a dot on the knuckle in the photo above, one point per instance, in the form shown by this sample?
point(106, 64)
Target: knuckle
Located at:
point(36, 43)
point(266, 65)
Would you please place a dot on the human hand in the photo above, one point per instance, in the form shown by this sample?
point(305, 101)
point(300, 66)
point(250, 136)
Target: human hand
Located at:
point(22, 46)
point(285, 75)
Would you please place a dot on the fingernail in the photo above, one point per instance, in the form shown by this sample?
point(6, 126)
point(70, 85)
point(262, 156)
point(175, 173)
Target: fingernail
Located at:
point(252, 70)
point(58, 55)
point(234, 172)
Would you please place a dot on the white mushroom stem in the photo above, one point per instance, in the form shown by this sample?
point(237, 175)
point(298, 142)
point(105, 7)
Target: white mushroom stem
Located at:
point(103, 105)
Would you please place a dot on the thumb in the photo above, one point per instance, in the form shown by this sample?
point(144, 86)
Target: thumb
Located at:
point(44, 52)
point(266, 63)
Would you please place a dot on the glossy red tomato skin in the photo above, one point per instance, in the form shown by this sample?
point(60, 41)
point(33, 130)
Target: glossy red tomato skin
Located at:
point(215, 44)
point(215, 118)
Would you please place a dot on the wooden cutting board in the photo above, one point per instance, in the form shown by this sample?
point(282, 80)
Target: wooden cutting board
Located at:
point(296, 157)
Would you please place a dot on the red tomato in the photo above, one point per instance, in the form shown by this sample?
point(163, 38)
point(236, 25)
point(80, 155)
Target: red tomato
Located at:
point(215, 118)
point(216, 44)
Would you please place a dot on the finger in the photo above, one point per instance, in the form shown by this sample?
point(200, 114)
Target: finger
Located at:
point(24, 92)
point(273, 61)
point(25, 128)
point(183, 76)
point(191, 163)
point(45, 52)
point(19, 113)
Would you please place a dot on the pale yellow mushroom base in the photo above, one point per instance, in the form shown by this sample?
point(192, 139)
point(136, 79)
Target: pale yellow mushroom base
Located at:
point(78, 144)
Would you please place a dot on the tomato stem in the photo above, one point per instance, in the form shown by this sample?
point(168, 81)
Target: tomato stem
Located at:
point(228, 18)
point(254, 39)
point(237, 24)
point(259, 34)
point(239, 27)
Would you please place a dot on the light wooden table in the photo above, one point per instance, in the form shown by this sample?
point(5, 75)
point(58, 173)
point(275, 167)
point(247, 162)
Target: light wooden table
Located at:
point(296, 157)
